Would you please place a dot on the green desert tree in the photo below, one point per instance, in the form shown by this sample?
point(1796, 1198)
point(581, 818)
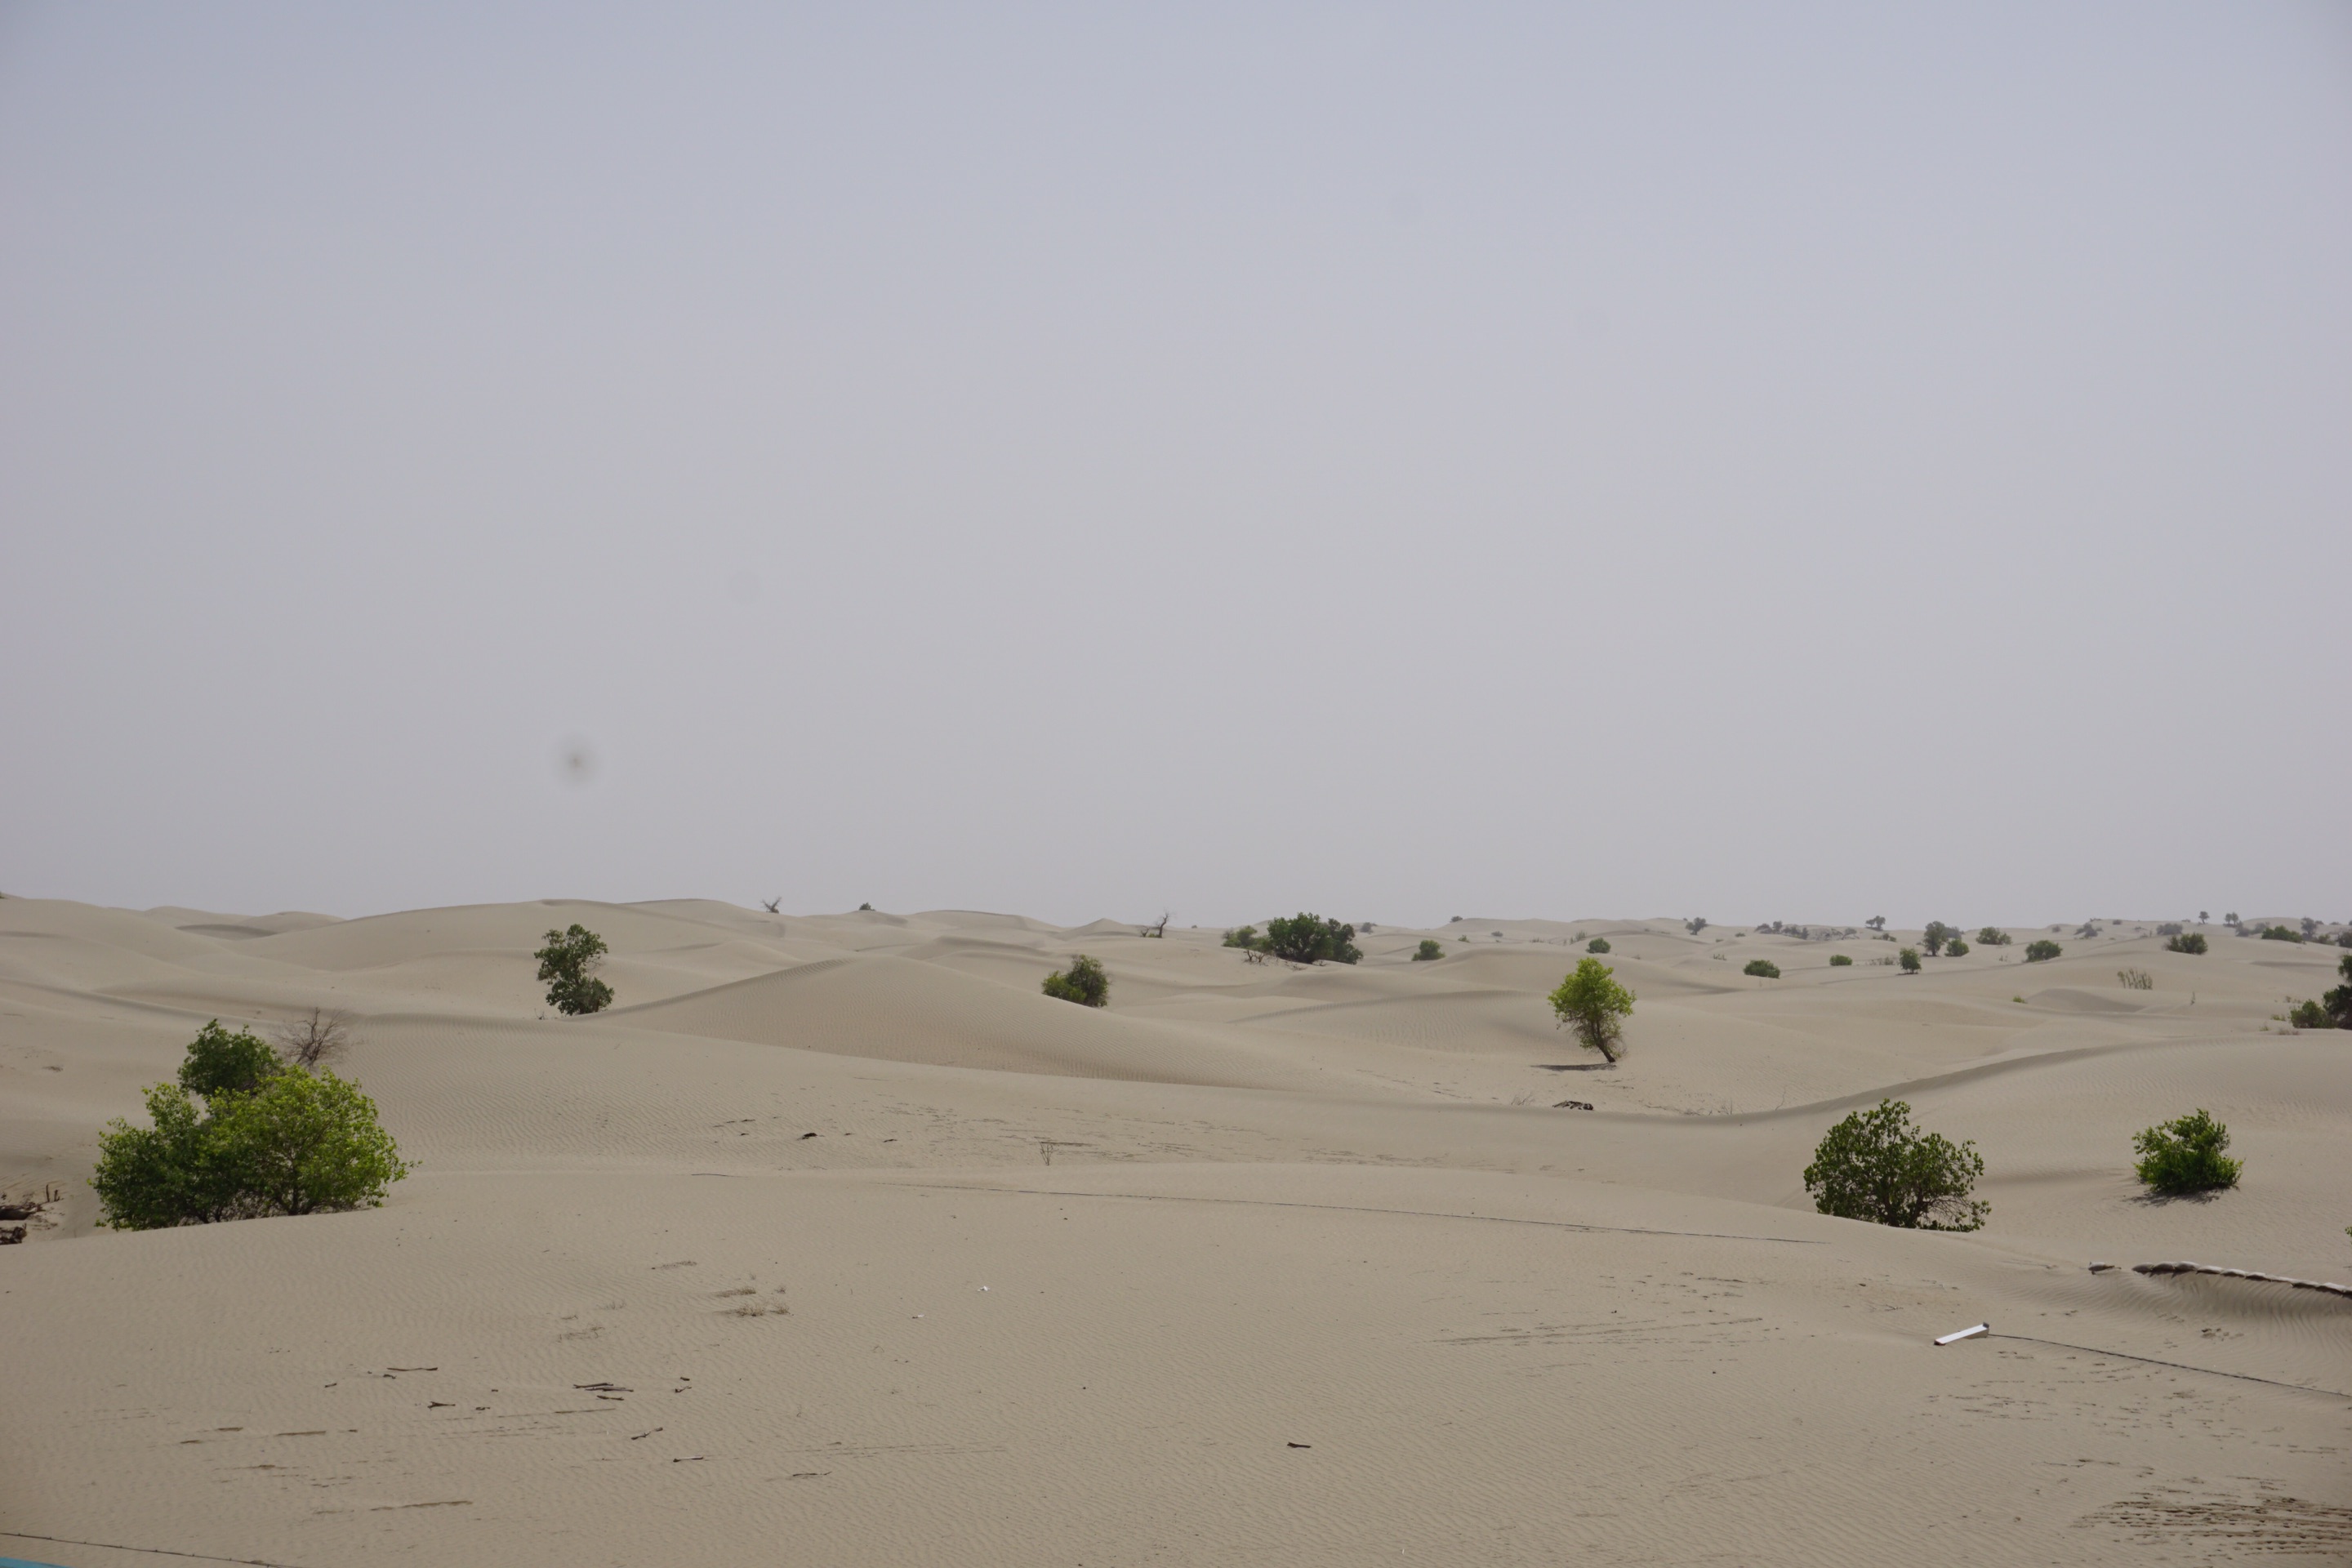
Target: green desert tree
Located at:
point(1591, 1003)
point(1762, 968)
point(1598, 944)
point(219, 1062)
point(1910, 958)
point(1955, 947)
point(1083, 983)
point(1933, 938)
point(2041, 951)
point(1311, 939)
point(1839, 961)
point(1875, 1165)
point(1993, 936)
point(2185, 1156)
point(2186, 942)
point(1428, 949)
point(568, 963)
point(287, 1141)
point(2338, 1001)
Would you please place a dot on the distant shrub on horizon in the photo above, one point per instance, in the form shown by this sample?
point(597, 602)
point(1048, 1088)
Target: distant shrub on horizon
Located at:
point(1428, 949)
point(1762, 968)
point(1839, 961)
point(2185, 1156)
point(1993, 936)
point(2186, 942)
point(1083, 983)
point(2281, 933)
point(1598, 944)
point(2042, 951)
point(568, 963)
point(1695, 924)
point(1310, 939)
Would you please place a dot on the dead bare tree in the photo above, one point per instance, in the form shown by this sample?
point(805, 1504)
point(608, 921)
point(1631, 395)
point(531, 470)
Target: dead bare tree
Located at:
point(314, 1040)
point(1158, 928)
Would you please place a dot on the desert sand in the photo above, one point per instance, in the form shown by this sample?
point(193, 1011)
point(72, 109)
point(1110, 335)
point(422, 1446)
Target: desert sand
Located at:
point(835, 1242)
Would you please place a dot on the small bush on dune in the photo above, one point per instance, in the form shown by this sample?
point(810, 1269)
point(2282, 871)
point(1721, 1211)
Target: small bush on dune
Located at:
point(2135, 979)
point(1428, 949)
point(1956, 948)
point(1083, 983)
point(1591, 1003)
point(2281, 933)
point(2185, 1156)
point(1992, 936)
point(1311, 939)
point(1910, 958)
point(1598, 944)
point(1839, 961)
point(2041, 951)
point(568, 965)
point(1933, 938)
point(2186, 942)
point(287, 1142)
point(1875, 1166)
point(1763, 968)
point(2310, 1015)
point(221, 1063)
point(2338, 1001)
point(1243, 937)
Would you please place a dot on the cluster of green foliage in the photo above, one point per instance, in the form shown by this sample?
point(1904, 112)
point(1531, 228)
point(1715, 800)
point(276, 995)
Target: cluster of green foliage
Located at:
point(2041, 951)
point(1956, 948)
point(2332, 1011)
point(1839, 961)
point(1933, 938)
point(1598, 944)
point(1762, 968)
point(1083, 983)
point(1302, 939)
point(1428, 949)
point(1909, 957)
point(1591, 1003)
point(1875, 1166)
point(568, 963)
point(1695, 924)
point(2309, 1015)
point(1992, 936)
point(2281, 933)
point(2186, 942)
point(272, 1137)
point(2185, 1156)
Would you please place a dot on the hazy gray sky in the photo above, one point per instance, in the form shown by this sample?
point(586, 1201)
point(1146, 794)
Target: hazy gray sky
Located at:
point(1797, 462)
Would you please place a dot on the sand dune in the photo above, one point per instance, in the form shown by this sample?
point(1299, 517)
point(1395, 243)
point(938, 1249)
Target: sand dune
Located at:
point(1281, 1265)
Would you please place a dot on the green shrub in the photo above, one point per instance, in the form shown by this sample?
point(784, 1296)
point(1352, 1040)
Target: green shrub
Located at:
point(1933, 938)
point(1245, 937)
point(1909, 958)
point(1956, 948)
point(1083, 983)
point(2188, 941)
point(293, 1142)
point(2281, 933)
point(1311, 939)
point(1839, 961)
point(1992, 936)
point(1594, 1005)
point(1763, 968)
point(2184, 1155)
point(2310, 1015)
point(2344, 938)
point(2041, 951)
point(1598, 944)
point(221, 1063)
point(1875, 1166)
point(1428, 949)
point(2338, 1001)
point(568, 963)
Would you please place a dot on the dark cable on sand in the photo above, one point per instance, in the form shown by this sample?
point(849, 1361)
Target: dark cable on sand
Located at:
point(1360, 1208)
point(2178, 1365)
point(151, 1550)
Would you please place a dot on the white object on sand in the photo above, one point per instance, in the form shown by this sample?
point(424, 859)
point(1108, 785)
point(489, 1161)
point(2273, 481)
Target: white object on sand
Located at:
point(1965, 1334)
